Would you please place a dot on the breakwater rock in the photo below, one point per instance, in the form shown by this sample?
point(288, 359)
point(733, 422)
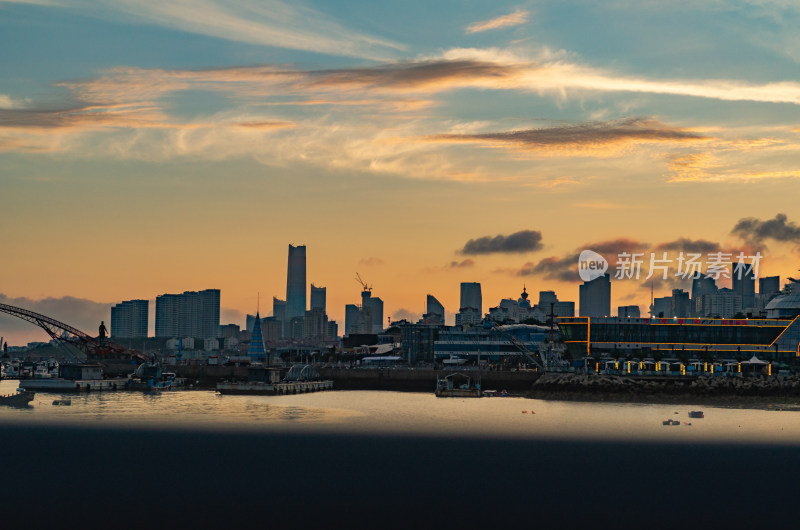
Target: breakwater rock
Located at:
point(732, 391)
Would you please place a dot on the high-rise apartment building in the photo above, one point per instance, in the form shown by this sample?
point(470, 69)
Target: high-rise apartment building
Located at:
point(191, 314)
point(744, 284)
point(351, 318)
point(628, 311)
point(375, 306)
point(595, 297)
point(295, 286)
point(129, 319)
point(680, 305)
point(471, 296)
point(279, 313)
point(318, 295)
point(769, 286)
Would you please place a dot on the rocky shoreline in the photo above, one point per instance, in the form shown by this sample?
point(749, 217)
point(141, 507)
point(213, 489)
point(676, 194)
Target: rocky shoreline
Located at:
point(768, 393)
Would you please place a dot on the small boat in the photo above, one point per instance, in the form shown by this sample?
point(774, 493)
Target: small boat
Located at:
point(696, 414)
point(20, 399)
point(62, 402)
point(670, 422)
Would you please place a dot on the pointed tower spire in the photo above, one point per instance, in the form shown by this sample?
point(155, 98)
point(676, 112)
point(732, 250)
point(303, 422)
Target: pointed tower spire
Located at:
point(256, 350)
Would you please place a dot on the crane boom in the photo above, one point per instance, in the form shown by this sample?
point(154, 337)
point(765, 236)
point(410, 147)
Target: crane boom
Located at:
point(520, 346)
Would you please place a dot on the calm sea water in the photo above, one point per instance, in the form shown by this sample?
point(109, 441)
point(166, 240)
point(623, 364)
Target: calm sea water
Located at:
point(365, 412)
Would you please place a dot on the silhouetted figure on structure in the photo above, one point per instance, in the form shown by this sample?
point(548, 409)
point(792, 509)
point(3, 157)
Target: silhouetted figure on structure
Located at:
point(103, 331)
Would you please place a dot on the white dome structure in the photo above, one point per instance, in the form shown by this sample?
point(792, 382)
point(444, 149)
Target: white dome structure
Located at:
point(785, 305)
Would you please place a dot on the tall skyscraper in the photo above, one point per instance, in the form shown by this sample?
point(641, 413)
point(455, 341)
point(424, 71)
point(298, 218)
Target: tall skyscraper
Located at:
point(375, 306)
point(318, 295)
point(769, 286)
point(744, 284)
point(595, 297)
point(351, 315)
point(295, 285)
point(434, 310)
point(129, 319)
point(191, 314)
point(279, 313)
point(680, 305)
point(471, 296)
point(701, 285)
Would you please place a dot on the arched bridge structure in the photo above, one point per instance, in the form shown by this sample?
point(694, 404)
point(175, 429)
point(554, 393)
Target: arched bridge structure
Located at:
point(94, 348)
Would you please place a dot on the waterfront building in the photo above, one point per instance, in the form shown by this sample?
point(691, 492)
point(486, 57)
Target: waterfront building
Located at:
point(191, 314)
point(434, 310)
point(595, 297)
point(318, 295)
point(295, 285)
point(628, 311)
point(129, 319)
point(489, 344)
point(787, 304)
point(704, 338)
point(417, 340)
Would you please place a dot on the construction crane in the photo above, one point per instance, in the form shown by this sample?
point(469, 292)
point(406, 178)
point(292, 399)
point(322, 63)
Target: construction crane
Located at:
point(367, 288)
point(526, 353)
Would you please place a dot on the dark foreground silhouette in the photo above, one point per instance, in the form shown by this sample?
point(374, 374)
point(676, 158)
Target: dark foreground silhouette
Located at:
point(93, 478)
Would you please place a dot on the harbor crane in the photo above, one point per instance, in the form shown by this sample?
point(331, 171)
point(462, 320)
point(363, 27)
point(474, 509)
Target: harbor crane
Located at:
point(526, 353)
point(70, 338)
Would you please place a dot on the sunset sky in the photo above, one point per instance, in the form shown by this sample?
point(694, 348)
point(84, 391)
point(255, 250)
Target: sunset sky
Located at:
point(156, 147)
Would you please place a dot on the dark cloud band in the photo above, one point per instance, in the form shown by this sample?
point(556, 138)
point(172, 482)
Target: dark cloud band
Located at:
point(518, 242)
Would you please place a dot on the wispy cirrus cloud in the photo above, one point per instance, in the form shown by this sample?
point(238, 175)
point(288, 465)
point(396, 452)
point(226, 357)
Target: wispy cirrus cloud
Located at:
point(520, 16)
point(377, 118)
point(276, 23)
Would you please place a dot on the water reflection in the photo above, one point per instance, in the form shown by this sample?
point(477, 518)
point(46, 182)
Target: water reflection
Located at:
point(412, 413)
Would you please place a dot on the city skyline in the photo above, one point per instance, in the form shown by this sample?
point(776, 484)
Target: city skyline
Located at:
point(423, 146)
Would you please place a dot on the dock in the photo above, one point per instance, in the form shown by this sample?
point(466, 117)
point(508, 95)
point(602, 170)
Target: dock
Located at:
point(272, 389)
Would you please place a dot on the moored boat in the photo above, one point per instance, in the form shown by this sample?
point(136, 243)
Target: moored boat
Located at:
point(20, 399)
point(457, 385)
